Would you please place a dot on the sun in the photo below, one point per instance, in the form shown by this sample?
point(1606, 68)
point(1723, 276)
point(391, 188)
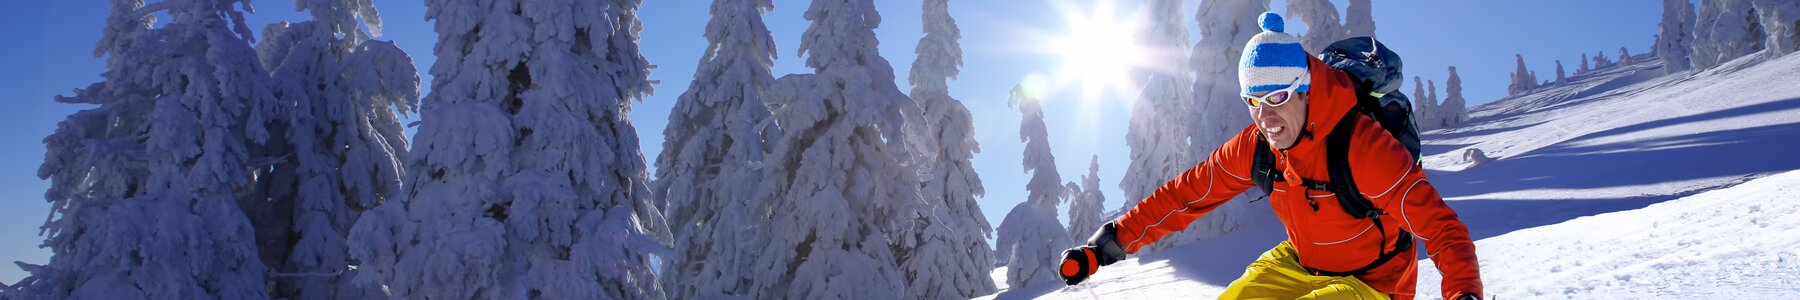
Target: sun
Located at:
point(1097, 53)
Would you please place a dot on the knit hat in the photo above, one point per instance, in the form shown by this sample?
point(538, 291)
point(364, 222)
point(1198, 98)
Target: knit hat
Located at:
point(1272, 59)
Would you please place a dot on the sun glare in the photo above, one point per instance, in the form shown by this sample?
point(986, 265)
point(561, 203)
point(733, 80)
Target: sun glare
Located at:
point(1097, 53)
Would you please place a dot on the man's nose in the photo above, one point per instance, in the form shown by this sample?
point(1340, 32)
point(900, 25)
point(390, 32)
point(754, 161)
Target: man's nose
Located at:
point(1261, 112)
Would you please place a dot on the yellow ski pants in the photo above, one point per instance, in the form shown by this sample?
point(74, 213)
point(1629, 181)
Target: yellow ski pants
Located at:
point(1279, 275)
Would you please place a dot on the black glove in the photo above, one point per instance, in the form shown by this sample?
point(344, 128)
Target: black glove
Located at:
point(1468, 297)
point(1102, 249)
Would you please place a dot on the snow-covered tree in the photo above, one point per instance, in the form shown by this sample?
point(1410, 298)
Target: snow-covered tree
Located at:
point(1359, 18)
point(1522, 80)
point(1323, 25)
point(941, 264)
point(1725, 30)
point(341, 140)
point(1561, 78)
point(143, 185)
point(526, 179)
point(1453, 110)
point(841, 189)
point(1424, 107)
point(1600, 60)
point(1031, 239)
point(1624, 56)
point(1584, 65)
point(711, 146)
point(1086, 204)
point(1780, 20)
point(1675, 40)
point(1160, 119)
point(1438, 112)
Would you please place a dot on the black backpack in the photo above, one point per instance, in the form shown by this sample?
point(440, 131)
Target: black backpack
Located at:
point(1376, 72)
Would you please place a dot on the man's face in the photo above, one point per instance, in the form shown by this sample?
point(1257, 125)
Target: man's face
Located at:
point(1281, 125)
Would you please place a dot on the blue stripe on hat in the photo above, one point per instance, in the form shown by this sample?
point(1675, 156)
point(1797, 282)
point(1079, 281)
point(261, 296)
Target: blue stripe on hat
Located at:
point(1264, 88)
point(1276, 55)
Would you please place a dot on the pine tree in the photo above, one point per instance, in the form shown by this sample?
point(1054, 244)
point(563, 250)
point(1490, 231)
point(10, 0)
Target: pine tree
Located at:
point(841, 188)
point(1522, 80)
point(1561, 78)
point(1424, 107)
point(1031, 238)
point(1780, 22)
point(1440, 113)
point(1156, 134)
point(1087, 204)
point(1675, 40)
point(941, 264)
point(715, 137)
point(1725, 30)
point(526, 180)
point(1359, 18)
point(144, 185)
point(1322, 23)
point(1453, 110)
point(343, 144)
point(1584, 65)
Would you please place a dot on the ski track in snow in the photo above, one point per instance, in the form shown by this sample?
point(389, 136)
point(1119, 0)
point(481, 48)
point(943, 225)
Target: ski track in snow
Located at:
point(1620, 184)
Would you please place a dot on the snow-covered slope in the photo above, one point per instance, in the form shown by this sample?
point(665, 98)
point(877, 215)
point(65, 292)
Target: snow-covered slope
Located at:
point(1559, 208)
point(1732, 243)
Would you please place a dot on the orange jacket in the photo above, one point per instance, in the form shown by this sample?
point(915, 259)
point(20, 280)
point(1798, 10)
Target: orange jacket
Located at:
point(1326, 237)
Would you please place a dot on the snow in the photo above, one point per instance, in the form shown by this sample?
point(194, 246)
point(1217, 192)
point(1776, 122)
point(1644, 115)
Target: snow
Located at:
point(1620, 184)
point(1731, 243)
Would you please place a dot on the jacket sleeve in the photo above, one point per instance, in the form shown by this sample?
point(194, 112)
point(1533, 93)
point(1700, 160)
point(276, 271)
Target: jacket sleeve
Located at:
point(1388, 176)
point(1192, 194)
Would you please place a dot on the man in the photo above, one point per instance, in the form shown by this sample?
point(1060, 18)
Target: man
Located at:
point(1296, 101)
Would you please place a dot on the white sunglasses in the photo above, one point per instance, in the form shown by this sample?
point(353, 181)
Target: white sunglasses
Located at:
point(1275, 98)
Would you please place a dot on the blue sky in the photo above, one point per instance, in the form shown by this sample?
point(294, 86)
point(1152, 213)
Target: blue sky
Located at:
point(50, 46)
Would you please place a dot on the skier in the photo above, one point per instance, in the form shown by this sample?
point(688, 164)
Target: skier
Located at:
point(1351, 248)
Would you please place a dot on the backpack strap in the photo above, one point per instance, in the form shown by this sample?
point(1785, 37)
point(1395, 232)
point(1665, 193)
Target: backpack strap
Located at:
point(1337, 162)
point(1262, 167)
point(1343, 183)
